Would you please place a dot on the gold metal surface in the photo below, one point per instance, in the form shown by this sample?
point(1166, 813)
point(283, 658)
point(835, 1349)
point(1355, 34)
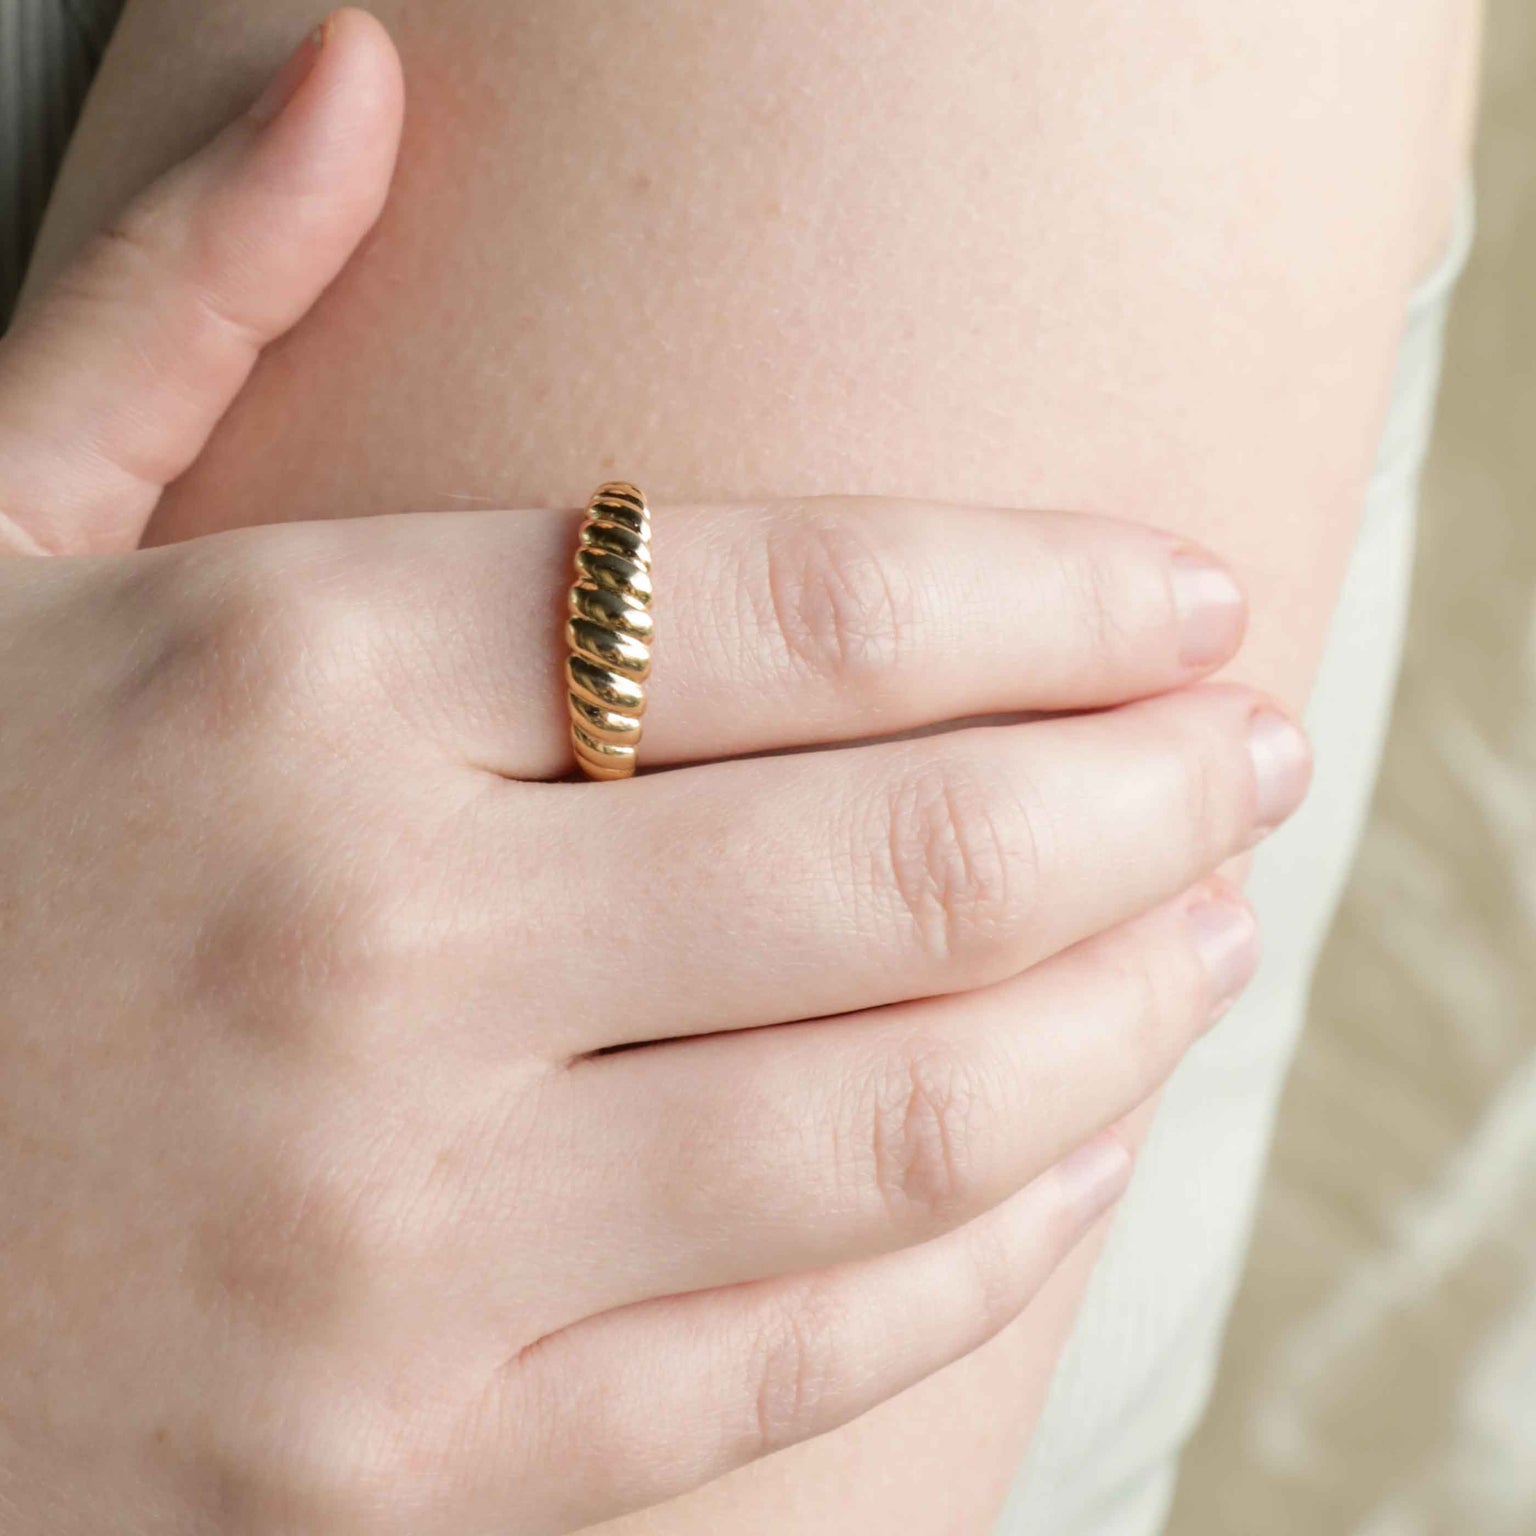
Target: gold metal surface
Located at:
point(610, 631)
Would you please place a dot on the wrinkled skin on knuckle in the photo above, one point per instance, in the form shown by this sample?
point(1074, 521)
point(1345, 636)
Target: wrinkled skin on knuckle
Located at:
point(926, 1108)
point(1121, 599)
point(797, 1364)
point(834, 606)
point(962, 864)
point(1102, 598)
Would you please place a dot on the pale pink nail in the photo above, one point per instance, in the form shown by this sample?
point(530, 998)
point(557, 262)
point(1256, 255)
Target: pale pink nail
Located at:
point(284, 85)
point(1211, 610)
point(1226, 939)
point(1095, 1176)
point(1282, 768)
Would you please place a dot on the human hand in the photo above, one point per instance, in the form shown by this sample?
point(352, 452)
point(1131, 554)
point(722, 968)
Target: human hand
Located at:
point(329, 1205)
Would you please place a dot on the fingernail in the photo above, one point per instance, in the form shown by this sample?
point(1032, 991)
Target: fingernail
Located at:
point(1282, 768)
point(284, 85)
point(1227, 942)
point(1095, 1176)
point(1210, 608)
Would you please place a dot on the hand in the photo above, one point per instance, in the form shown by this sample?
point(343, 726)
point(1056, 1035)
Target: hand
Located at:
point(329, 1204)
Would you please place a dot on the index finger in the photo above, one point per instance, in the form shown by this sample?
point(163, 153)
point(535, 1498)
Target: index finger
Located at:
point(802, 623)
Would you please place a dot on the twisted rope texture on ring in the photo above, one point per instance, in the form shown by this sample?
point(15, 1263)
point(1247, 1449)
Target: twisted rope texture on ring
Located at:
point(609, 631)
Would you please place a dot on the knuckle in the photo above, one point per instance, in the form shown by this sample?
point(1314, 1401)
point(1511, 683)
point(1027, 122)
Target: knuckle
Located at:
point(962, 861)
point(926, 1115)
point(152, 246)
point(839, 608)
point(122, 254)
point(797, 1366)
point(367, 930)
point(279, 629)
point(993, 1284)
point(297, 635)
point(317, 943)
point(1161, 994)
point(1106, 602)
point(315, 1239)
point(1210, 785)
point(313, 1261)
point(343, 1462)
point(154, 241)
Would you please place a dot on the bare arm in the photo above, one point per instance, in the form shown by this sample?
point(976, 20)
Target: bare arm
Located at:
point(1142, 259)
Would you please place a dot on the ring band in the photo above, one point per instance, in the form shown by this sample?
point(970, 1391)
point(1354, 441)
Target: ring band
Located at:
point(609, 631)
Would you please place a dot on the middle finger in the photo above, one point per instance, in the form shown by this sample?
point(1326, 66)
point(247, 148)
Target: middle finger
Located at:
point(764, 890)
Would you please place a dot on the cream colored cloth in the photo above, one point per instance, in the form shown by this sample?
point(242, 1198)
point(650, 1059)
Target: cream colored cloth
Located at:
point(1138, 1369)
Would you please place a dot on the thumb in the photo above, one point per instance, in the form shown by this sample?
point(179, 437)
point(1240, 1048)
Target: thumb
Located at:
point(112, 381)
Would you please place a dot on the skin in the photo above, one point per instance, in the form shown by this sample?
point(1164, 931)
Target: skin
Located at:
point(332, 1203)
point(1160, 268)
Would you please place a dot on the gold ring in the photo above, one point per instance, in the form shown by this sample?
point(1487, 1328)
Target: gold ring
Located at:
point(609, 631)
